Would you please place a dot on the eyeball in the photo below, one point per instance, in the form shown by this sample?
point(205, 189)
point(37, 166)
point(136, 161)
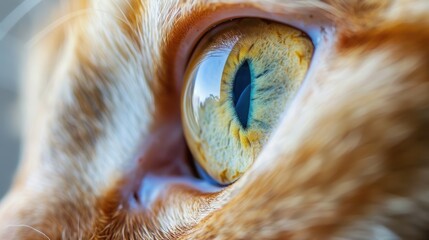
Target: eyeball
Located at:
point(237, 84)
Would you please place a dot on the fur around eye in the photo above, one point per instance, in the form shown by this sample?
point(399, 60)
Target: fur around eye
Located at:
point(238, 82)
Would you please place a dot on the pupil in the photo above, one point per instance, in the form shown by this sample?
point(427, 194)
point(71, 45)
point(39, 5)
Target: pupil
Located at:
point(241, 93)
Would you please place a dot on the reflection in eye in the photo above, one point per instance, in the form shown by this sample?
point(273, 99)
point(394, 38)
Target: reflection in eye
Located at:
point(237, 85)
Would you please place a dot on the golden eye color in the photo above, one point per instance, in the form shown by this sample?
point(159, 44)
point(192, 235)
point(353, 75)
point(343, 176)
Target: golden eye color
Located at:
point(237, 84)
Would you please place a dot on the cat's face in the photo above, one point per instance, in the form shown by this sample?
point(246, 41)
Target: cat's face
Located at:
point(349, 159)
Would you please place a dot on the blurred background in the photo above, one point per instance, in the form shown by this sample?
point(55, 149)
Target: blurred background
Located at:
point(19, 21)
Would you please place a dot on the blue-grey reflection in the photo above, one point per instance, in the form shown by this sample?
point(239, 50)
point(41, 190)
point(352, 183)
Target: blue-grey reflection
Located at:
point(208, 78)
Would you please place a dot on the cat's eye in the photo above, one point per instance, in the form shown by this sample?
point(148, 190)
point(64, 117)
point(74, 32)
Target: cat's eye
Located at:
point(237, 84)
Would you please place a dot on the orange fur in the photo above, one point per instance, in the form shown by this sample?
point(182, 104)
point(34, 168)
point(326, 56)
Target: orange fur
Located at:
point(349, 160)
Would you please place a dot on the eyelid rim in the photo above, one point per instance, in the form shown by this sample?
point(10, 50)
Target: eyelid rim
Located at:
point(187, 33)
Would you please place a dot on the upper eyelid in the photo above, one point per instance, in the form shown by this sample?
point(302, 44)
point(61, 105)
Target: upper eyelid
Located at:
point(313, 19)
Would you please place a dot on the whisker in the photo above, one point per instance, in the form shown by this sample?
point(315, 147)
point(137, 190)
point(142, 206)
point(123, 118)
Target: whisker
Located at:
point(129, 4)
point(30, 227)
point(120, 9)
point(125, 19)
point(17, 14)
point(51, 27)
point(55, 25)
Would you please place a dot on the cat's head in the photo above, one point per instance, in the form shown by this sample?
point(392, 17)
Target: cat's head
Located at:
point(349, 158)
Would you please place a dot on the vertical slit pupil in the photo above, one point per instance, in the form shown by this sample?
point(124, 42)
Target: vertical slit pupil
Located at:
point(241, 93)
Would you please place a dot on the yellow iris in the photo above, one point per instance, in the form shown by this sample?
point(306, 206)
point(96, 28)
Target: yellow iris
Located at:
point(237, 85)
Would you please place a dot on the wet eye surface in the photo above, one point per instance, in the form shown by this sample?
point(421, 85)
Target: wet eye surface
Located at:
point(237, 84)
